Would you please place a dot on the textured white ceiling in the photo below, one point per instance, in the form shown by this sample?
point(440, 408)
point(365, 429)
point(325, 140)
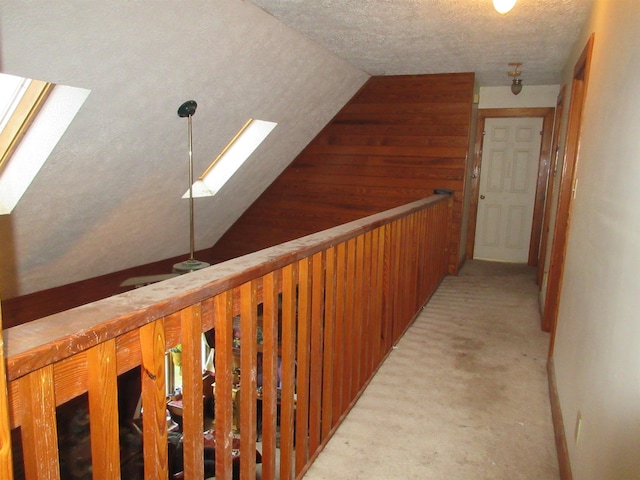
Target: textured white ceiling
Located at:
point(394, 37)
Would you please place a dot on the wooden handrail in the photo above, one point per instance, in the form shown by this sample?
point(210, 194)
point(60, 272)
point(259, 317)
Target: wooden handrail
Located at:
point(333, 304)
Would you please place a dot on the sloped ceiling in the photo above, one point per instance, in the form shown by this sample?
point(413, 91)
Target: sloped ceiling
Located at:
point(109, 197)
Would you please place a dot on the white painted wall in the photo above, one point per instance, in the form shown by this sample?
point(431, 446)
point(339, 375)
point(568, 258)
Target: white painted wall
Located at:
point(531, 96)
point(597, 352)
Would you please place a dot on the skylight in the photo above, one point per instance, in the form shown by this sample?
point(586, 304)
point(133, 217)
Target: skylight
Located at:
point(33, 117)
point(234, 154)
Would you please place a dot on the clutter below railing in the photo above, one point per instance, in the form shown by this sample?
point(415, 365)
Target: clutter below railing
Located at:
point(299, 328)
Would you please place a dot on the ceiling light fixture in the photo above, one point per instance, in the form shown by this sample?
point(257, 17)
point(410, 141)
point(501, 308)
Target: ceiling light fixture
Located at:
point(503, 6)
point(188, 109)
point(516, 84)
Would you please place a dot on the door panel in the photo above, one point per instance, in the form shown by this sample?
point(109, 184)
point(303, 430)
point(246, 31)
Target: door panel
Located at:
point(511, 153)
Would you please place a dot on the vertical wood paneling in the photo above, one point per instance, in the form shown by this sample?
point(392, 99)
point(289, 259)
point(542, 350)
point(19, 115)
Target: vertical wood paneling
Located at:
point(192, 418)
point(39, 432)
point(248, 376)
point(154, 424)
point(396, 141)
point(270, 376)
point(289, 280)
point(223, 321)
point(103, 407)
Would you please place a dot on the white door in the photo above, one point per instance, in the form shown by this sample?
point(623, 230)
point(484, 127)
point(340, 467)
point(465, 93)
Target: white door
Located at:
point(510, 157)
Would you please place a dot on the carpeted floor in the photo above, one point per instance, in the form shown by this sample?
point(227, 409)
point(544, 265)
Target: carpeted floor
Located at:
point(464, 394)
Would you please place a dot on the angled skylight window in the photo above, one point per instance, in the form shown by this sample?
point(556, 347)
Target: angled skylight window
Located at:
point(33, 117)
point(233, 155)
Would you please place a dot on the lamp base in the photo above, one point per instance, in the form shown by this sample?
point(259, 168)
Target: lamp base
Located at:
point(190, 265)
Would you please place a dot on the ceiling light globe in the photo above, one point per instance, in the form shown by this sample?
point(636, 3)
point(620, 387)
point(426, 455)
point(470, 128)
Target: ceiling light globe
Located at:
point(503, 6)
point(516, 86)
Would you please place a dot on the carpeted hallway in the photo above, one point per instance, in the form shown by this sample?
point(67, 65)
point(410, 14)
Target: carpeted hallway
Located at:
point(463, 396)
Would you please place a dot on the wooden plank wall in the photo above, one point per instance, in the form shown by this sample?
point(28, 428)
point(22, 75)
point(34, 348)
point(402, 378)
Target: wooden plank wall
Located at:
point(396, 141)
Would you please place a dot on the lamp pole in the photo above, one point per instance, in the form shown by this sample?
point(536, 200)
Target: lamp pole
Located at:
point(188, 109)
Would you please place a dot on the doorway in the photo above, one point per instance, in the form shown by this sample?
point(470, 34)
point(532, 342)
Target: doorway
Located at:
point(511, 153)
point(512, 117)
point(566, 190)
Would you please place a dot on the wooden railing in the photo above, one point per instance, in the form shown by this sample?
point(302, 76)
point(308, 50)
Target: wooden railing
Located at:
point(332, 306)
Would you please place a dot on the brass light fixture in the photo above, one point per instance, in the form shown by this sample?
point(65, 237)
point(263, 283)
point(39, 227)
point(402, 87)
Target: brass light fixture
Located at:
point(516, 84)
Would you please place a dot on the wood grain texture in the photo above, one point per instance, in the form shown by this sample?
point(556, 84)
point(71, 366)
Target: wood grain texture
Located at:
point(103, 406)
point(397, 140)
point(39, 431)
point(579, 87)
point(303, 363)
point(223, 305)
point(191, 327)
point(154, 431)
point(6, 460)
point(317, 327)
point(270, 376)
point(248, 379)
point(289, 281)
point(329, 285)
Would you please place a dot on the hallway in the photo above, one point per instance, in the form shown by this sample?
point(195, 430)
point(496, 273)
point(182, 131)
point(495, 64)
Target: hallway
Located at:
point(464, 394)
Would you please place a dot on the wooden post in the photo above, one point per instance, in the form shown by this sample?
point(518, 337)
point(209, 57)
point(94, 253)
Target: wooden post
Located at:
point(6, 462)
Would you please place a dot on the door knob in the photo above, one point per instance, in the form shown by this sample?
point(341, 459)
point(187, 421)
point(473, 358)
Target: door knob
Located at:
point(481, 197)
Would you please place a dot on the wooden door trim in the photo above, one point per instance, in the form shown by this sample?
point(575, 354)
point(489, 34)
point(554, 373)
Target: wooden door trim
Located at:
point(555, 153)
point(567, 181)
point(547, 115)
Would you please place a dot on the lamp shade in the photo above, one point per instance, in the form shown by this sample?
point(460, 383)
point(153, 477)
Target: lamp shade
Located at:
point(503, 6)
point(516, 86)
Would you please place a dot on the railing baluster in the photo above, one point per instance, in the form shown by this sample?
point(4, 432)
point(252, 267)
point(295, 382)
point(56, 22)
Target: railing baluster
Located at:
point(103, 407)
point(269, 376)
point(6, 469)
point(248, 376)
point(39, 431)
point(223, 318)
point(328, 368)
point(303, 363)
point(339, 363)
point(348, 387)
point(356, 315)
point(289, 280)
point(154, 420)
point(192, 406)
point(317, 328)
point(367, 346)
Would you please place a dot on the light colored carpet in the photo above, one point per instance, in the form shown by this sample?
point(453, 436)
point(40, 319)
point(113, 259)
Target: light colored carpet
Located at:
point(463, 396)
